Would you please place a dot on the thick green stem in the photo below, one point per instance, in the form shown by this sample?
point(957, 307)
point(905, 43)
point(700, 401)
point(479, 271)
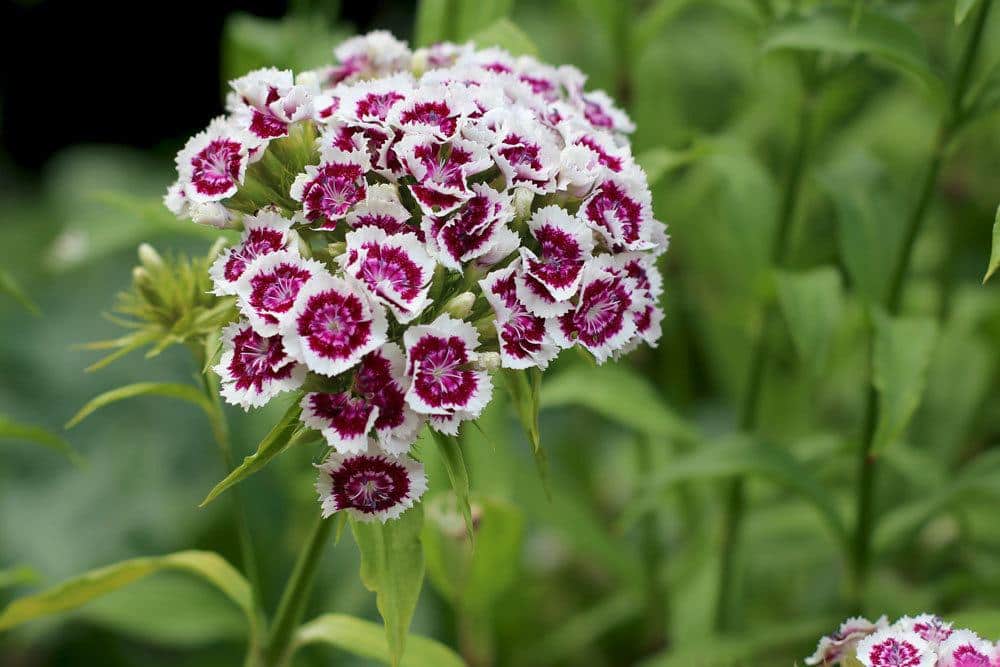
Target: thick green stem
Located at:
point(651, 548)
point(867, 462)
point(749, 410)
point(295, 595)
point(220, 431)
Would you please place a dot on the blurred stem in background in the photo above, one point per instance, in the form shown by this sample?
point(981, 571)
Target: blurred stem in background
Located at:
point(735, 495)
point(220, 431)
point(296, 594)
point(951, 122)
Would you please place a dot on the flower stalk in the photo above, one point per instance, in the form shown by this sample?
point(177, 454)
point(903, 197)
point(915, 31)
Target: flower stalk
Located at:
point(296, 594)
point(951, 122)
point(734, 508)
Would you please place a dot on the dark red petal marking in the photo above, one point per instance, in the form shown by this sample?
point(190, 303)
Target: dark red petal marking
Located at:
point(369, 484)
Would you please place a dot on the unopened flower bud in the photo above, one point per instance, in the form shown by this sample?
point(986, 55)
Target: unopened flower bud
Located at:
point(418, 63)
point(486, 328)
point(336, 249)
point(140, 276)
point(211, 215)
point(461, 306)
point(149, 258)
point(522, 203)
point(488, 361)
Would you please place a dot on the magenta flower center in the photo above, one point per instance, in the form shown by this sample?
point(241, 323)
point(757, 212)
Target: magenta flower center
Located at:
point(336, 188)
point(216, 168)
point(435, 114)
point(260, 241)
point(334, 324)
point(389, 267)
point(612, 208)
point(369, 484)
point(256, 360)
point(376, 105)
point(894, 653)
point(275, 291)
point(441, 378)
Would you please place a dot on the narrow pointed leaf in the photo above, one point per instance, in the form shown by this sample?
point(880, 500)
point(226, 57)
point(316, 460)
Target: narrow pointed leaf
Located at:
point(506, 35)
point(285, 433)
point(12, 430)
point(81, 589)
point(740, 455)
point(658, 162)
point(18, 576)
point(617, 393)
point(811, 302)
point(995, 251)
point(903, 348)
point(432, 23)
point(367, 640)
point(10, 287)
point(869, 32)
point(392, 566)
point(458, 473)
point(962, 9)
point(184, 392)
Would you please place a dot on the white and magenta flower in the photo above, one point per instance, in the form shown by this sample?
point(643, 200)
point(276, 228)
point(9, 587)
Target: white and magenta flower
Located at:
point(332, 325)
point(964, 648)
point(440, 359)
point(394, 268)
point(382, 208)
point(895, 648)
point(477, 231)
point(254, 368)
point(526, 153)
point(620, 211)
point(264, 233)
point(369, 102)
point(565, 244)
point(601, 112)
point(367, 56)
point(374, 400)
point(213, 163)
point(833, 648)
point(932, 629)
point(441, 170)
point(369, 485)
point(601, 320)
point(525, 339)
point(329, 190)
point(434, 110)
point(269, 285)
point(266, 101)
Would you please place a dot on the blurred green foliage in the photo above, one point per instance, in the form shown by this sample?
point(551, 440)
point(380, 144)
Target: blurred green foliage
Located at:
point(617, 561)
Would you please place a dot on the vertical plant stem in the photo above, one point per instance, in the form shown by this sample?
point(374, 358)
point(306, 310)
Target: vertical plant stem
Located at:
point(658, 602)
point(622, 46)
point(296, 594)
point(734, 509)
point(220, 432)
point(867, 462)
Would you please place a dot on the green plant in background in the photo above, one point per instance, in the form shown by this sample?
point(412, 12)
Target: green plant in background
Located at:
point(814, 437)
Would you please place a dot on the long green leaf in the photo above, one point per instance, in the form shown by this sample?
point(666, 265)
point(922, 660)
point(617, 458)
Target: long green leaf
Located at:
point(740, 455)
point(812, 302)
point(10, 287)
point(367, 640)
point(82, 589)
point(458, 473)
point(473, 14)
point(658, 162)
point(433, 22)
point(869, 32)
point(962, 9)
point(903, 348)
point(981, 476)
point(392, 566)
point(183, 392)
point(619, 394)
point(995, 251)
point(747, 649)
point(283, 435)
point(12, 430)
point(506, 35)
point(18, 576)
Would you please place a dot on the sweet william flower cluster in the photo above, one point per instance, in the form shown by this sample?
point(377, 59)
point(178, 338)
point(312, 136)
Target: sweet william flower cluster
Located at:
point(410, 222)
point(922, 641)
